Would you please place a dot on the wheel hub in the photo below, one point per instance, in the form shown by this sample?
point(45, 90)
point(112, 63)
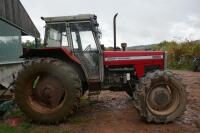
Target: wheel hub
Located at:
point(48, 93)
point(159, 98)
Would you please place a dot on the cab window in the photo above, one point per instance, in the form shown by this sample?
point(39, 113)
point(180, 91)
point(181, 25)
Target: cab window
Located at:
point(82, 36)
point(57, 35)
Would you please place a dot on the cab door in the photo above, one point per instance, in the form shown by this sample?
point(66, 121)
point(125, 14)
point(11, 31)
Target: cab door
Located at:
point(86, 49)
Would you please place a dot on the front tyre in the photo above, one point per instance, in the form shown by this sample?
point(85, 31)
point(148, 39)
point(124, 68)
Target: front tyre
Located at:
point(197, 68)
point(160, 97)
point(47, 90)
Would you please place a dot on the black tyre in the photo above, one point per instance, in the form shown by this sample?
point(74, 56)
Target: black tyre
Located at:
point(160, 97)
point(196, 68)
point(48, 90)
point(131, 89)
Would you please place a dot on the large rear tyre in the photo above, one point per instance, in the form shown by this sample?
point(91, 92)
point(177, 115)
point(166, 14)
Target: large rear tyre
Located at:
point(160, 97)
point(48, 90)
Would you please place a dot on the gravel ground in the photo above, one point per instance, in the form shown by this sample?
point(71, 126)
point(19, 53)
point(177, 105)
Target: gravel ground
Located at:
point(114, 112)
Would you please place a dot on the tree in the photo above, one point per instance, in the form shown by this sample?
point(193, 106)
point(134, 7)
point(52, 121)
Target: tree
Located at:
point(28, 44)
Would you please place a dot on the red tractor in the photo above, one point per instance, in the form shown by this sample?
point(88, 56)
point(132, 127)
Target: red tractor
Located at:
point(73, 61)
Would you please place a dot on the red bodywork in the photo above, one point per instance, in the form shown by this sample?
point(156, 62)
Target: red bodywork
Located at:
point(56, 50)
point(139, 59)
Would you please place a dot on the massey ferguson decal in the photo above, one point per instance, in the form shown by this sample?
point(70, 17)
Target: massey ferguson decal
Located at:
point(134, 58)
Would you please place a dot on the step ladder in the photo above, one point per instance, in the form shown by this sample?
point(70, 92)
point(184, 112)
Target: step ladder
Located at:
point(93, 95)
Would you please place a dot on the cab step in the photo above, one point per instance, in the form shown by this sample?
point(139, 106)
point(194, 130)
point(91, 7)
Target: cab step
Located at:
point(93, 95)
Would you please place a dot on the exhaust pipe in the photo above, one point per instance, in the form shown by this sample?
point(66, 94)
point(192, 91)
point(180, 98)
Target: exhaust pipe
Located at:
point(114, 31)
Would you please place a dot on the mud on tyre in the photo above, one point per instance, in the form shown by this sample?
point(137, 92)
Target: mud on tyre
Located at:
point(160, 97)
point(48, 90)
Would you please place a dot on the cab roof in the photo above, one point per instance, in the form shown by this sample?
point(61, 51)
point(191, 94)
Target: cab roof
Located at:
point(80, 17)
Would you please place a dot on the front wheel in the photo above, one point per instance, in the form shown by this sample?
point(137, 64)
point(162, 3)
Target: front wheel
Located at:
point(160, 97)
point(197, 68)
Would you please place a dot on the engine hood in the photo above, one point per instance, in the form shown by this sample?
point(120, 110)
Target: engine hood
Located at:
point(128, 57)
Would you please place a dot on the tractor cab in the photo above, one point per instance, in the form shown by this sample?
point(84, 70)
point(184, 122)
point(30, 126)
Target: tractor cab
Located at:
point(80, 35)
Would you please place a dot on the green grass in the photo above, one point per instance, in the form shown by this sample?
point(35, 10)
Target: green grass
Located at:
point(26, 127)
point(29, 128)
point(16, 113)
point(5, 128)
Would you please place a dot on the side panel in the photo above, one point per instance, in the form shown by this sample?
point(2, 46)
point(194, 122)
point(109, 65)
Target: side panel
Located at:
point(9, 72)
point(10, 42)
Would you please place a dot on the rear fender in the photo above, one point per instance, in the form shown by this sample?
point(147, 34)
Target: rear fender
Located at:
point(50, 52)
point(59, 53)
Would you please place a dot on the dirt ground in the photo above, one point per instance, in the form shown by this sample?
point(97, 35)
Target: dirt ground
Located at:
point(114, 113)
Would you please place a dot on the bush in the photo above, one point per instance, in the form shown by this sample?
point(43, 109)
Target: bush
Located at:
point(180, 55)
point(28, 44)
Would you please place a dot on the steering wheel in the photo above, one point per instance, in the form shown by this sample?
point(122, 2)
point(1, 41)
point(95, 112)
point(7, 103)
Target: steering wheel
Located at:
point(87, 48)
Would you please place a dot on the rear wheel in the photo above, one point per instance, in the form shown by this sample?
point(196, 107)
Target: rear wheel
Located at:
point(160, 97)
point(48, 90)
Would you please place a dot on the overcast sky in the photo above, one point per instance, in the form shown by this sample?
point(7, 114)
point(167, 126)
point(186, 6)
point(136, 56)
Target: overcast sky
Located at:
point(139, 21)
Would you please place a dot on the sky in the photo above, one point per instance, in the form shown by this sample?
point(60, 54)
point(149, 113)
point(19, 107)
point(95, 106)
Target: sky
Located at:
point(139, 22)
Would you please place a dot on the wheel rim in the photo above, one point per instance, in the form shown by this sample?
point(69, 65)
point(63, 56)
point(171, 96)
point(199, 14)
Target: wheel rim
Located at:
point(46, 93)
point(163, 99)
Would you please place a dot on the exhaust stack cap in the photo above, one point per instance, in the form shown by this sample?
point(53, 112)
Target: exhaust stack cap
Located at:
point(124, 45)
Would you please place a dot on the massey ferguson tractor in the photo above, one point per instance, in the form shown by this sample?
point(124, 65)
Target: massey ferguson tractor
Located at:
point(49, 87)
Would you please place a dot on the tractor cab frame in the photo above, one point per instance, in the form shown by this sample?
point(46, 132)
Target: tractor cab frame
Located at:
point(80, 35)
